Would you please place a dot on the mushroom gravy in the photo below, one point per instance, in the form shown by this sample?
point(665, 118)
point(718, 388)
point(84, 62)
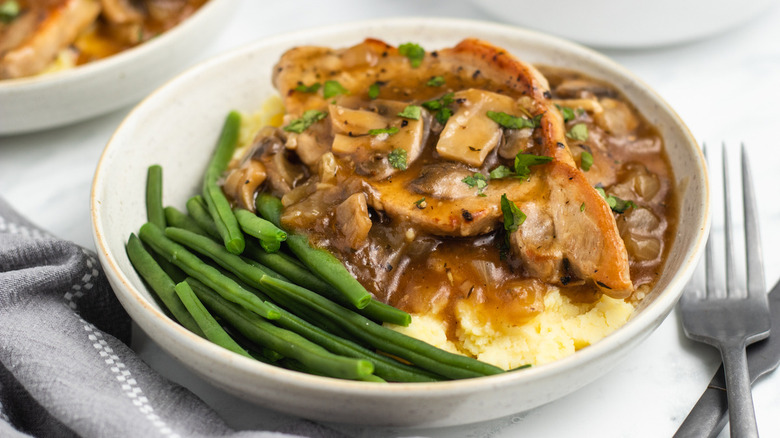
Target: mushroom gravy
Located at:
point(417, 202)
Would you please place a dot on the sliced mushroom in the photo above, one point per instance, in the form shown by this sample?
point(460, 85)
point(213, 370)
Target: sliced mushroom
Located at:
point(443, 181)
point(269, 149)
point(355, 122)
point(328, 169)
point(617, 117)
point(577, 88)
point(353, 221)
point(242, 183)
point(369, 152)
point(470, 135)
point(514, 142)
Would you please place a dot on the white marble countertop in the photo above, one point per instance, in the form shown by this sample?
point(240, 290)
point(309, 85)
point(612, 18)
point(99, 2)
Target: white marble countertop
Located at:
point(725, 88)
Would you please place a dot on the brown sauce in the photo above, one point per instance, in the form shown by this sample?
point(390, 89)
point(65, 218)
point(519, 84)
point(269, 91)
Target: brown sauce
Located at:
point(422, 273)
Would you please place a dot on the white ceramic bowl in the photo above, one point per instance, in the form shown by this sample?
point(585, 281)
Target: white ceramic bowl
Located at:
point(177, 127)
point(627, 24)
point(57, 99)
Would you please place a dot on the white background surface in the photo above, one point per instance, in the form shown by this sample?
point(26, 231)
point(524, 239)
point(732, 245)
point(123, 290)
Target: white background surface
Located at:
point(726, 88)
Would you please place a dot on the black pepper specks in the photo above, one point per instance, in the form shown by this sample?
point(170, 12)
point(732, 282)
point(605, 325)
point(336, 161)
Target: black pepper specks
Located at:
point(404, 123)
point(547, 95)
point(467, 215)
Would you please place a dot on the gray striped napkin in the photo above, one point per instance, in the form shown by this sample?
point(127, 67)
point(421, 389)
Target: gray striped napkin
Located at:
point(65, 367)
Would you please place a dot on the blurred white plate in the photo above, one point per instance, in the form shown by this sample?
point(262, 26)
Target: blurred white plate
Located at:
point(56, 99)
point(627, 23)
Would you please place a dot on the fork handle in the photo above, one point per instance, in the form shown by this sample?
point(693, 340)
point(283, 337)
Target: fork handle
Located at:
point(742, 416)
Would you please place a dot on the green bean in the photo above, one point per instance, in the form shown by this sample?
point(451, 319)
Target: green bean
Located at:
point(300, 275)
point(328, 267)
point(417, 352)
point(211, 328)
point(217, 203)
point(384, 366)
point(319, 261)
point(305, 313)
point(294, 365)
point(292, 269)
point(263, 354)
point(270, 236)
point(160, 283)
point(287, 343)
point(243, 269)
point(269, 207)
point(154, 206)
point(196, 207)
point(247, 272)
point(176, 218)
point(297, 321)
point(173, 271)
point(193, 266)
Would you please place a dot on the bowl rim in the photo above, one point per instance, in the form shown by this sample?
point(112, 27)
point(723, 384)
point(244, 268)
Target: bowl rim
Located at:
point(651, 315)
point(117, 60)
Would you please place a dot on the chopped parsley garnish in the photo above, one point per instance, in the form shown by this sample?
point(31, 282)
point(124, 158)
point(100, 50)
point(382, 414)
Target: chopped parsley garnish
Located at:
point(308, 118)
point(435, 81)
point(389, 131)
point(616, 204)
point(578, 132)
point(501, 172)
point(397, 159)
point(414, 52)
point(586, 160)
point(440, 107)
point(513, 217)
point(522, 166)
point(510, 121)
point(420, 203)
point(477, 181)
point(333, 88)
point(308, 88)
point(523, 163)
point(472, 148)
point(568, 113)
point(582, 207)
point(411, 112)
point(373, 91)
point(9, 10)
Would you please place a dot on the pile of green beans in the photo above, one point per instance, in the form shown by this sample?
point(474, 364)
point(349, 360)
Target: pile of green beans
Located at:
point(304, 311)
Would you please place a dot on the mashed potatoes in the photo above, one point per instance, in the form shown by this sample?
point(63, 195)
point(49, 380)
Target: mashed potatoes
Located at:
point(561, 329)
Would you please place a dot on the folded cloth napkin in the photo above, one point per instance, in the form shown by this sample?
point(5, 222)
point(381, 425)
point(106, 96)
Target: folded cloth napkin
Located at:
point(65, 367)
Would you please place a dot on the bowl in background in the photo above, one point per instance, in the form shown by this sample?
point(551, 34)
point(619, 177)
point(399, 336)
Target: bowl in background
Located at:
point(46, 101)
point(622, 24)
point(177, 127)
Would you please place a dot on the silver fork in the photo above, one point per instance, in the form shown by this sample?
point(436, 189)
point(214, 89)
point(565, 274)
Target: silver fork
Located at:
point(732, 319)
